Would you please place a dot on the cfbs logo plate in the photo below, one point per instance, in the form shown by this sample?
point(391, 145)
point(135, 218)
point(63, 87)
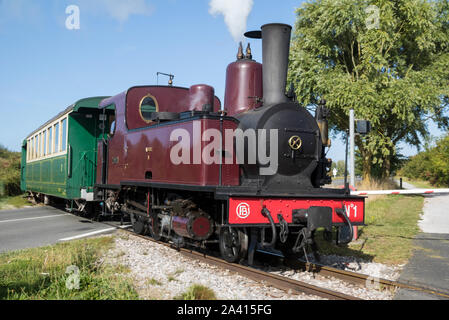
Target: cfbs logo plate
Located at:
point(243, 210)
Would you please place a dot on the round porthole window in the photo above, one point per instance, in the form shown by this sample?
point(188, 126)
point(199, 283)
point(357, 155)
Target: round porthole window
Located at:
point(148, 105)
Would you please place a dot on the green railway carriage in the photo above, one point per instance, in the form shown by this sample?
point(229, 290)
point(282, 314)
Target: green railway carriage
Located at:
point(59, 159)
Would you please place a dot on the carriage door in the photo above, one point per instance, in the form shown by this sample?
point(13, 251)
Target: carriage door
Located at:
point(109, 125)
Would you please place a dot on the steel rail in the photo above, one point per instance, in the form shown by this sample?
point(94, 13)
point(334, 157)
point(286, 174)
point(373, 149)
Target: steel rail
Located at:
point(363, 279)
point(276, 281)
point(287, 284)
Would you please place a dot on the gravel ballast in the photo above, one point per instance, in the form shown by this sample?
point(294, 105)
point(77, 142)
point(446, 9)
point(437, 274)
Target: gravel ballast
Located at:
point(159, 272)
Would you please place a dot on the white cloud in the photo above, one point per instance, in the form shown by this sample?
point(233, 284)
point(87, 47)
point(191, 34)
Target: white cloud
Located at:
point(235, 14)
point(123, 9)
point(119, 10)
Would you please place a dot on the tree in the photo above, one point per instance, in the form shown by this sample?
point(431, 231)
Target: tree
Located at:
point(340, 166)
point(392, 70)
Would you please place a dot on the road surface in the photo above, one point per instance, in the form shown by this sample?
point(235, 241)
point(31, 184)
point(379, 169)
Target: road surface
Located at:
point(430, 262)
point(40, 226)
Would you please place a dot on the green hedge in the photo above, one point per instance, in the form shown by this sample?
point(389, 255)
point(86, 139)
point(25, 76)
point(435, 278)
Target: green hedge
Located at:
point(9, 172)
point(430, 165)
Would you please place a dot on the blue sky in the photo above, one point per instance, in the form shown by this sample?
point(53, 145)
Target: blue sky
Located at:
point(44, 67)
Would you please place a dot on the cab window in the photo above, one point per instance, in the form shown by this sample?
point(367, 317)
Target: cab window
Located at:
point(147, 106)
point(112, 125)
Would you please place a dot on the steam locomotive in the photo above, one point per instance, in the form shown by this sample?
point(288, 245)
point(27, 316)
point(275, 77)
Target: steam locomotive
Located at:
point(247, 176)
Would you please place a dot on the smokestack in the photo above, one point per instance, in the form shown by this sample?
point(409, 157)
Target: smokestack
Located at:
point(276, 49)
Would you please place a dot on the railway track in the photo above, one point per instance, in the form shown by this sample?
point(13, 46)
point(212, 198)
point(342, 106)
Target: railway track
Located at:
point(276, 281)
point(291, 285)
point(363, 279)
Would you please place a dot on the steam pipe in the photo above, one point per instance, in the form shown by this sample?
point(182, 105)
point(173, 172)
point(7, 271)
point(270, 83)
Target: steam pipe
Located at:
point(342, 212)
point(267, 214)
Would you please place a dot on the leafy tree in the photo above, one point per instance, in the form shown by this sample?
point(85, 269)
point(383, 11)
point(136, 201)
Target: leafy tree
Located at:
point(340, 166)
point(393, 70)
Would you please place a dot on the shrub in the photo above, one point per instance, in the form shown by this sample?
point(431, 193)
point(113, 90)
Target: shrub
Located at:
point(197, 292)
point(430, 165)
point(9, 172)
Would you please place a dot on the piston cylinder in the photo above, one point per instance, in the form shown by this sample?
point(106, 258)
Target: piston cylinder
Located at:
point(193, 226)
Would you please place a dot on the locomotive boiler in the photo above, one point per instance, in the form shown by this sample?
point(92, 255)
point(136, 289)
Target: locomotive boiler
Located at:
point(244, 176)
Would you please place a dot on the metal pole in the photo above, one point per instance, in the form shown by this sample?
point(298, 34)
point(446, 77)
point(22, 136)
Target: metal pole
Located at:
point(351, 138)
point(346, 163)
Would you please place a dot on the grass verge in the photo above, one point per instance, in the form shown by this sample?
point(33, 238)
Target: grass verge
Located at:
point(51, 273)
point(391, 224)
point(14, 202)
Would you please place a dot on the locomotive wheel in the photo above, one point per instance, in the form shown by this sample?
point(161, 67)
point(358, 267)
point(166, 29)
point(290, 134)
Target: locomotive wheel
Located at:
point(138, 225)
point(155, 229)
point(233, 244)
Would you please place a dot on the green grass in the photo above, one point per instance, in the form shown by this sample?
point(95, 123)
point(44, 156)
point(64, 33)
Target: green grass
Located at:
point(16, 202)
point(40, 273)
point(154, 282)
point(391, 225)
point(197, 292)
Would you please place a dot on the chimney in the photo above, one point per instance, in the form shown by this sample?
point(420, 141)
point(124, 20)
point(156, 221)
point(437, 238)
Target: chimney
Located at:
point(276, 48)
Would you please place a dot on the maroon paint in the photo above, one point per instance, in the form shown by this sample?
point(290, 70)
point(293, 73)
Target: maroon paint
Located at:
point(243, 85)
point(129, 160)
point(169, 99)
point(200, 95)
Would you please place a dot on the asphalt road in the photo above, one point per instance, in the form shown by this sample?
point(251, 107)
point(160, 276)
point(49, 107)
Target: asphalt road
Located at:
point(40, 226)
point(429, 264)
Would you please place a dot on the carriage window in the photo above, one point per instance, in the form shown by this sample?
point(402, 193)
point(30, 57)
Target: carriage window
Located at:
point(50, 140)
point(39, 154)
point(64, 135)
point(45, 143)
point(148, 105)
point(57, 137)
point(30, 148)
point(35, 150)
